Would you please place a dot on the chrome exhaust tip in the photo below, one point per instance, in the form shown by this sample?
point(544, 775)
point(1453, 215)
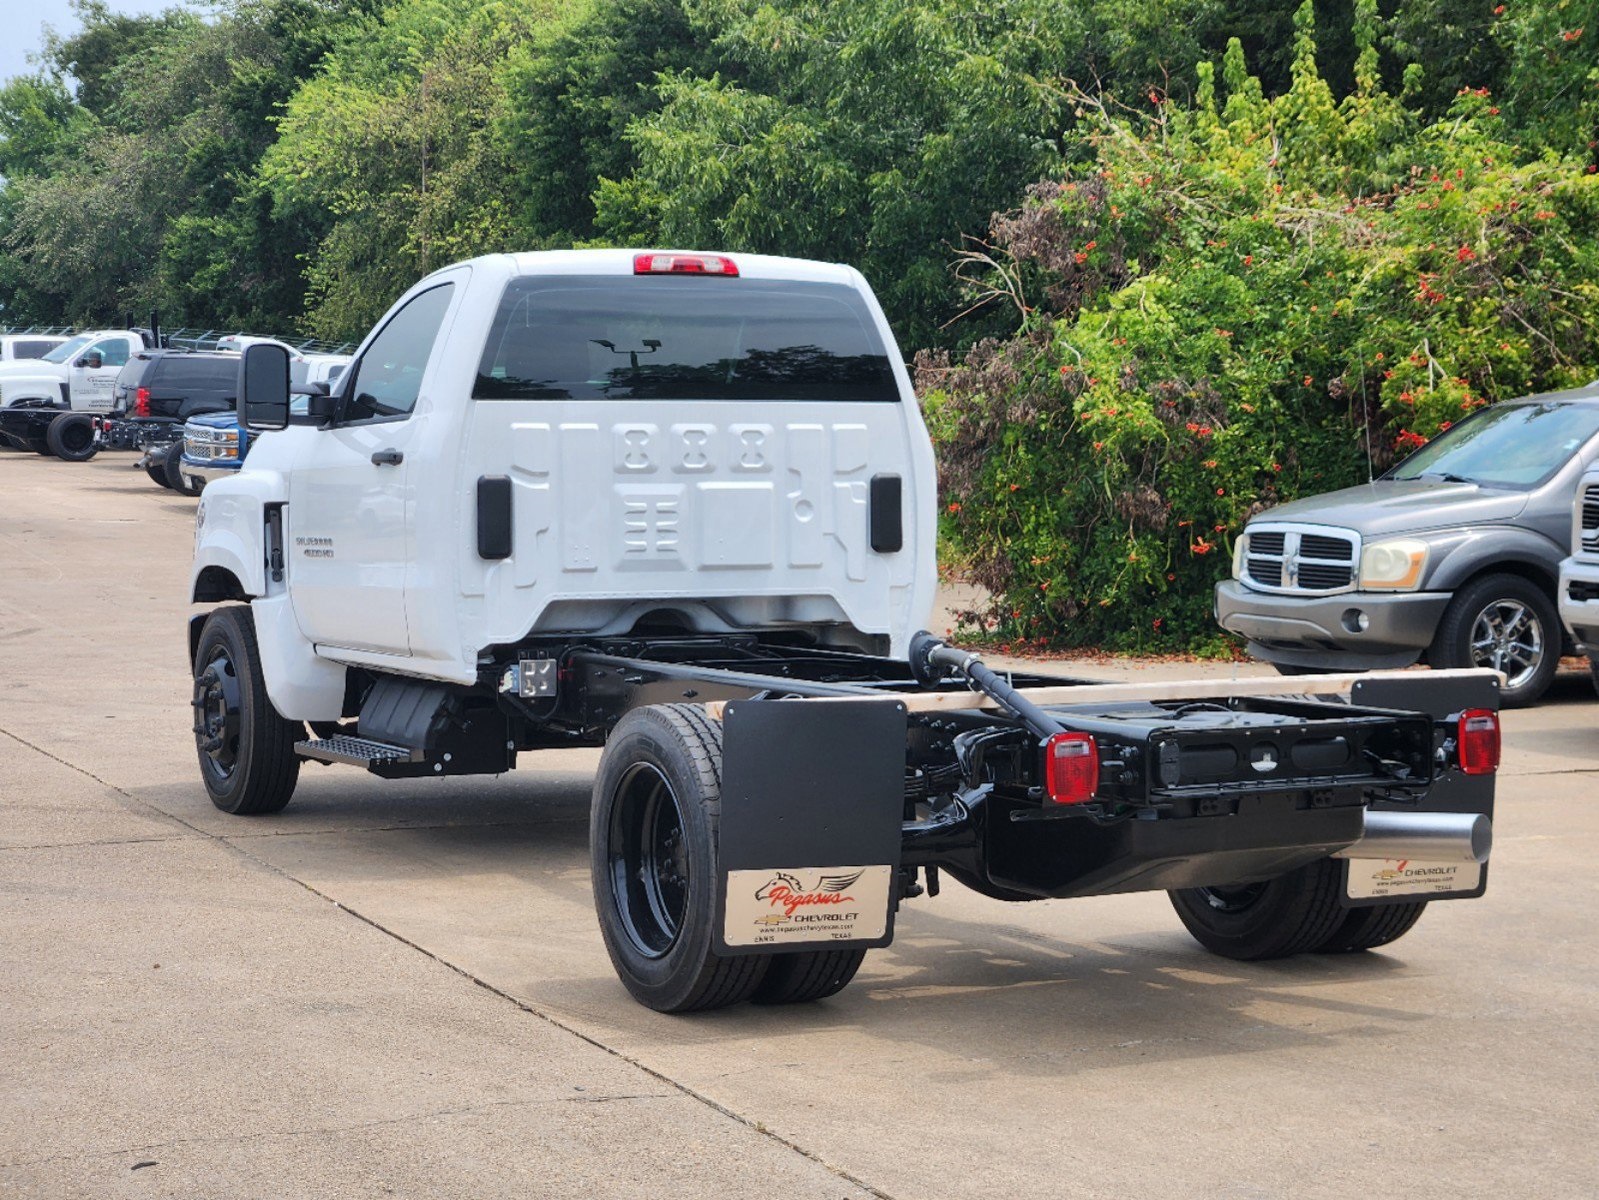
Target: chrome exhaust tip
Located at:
point(1427, 836)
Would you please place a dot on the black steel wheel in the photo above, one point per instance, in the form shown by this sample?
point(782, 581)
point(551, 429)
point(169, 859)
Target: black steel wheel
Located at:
point(246, 749)
point(1503, 622)
point(1280, 917)
point(157, 471)
point(71, 437)
point(652, 848)
point(1368, 928)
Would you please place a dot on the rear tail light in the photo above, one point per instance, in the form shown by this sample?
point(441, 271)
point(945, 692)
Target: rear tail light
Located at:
point(1071, 768)
point(683, 264)
point(141, 402)
point(1478, 741)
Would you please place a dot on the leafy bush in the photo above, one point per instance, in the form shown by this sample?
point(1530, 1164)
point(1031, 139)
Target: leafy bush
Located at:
point(1230, 304)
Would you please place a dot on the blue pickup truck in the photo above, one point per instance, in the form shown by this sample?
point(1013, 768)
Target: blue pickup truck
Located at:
point(214, 445)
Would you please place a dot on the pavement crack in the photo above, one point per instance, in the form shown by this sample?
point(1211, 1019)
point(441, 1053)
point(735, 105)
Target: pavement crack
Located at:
point(755, 1126)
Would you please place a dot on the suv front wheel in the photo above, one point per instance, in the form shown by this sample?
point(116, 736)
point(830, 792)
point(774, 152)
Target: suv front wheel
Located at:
point(1506, 623)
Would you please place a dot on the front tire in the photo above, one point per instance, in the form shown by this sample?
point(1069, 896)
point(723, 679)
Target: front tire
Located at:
point(172, 468)
point(71, 437)
point(246, 748)
point(1503, 622)
point(653, 855)
point(1279, 918)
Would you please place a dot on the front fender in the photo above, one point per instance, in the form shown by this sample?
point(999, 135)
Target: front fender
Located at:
point(30, 389)
point(230, 532)
point(1460, 554)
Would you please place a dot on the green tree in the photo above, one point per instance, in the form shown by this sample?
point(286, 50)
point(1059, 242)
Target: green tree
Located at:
point(1236, 303)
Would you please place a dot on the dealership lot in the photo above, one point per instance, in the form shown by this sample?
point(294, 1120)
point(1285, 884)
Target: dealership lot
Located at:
point(402, 990)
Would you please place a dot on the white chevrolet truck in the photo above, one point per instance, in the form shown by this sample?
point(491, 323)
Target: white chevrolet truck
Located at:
point(681, 506)
point(45, 402)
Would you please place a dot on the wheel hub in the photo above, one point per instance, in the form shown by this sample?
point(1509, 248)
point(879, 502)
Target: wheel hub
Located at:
point(1507, 636)
point(649, 861)
point(216, 715)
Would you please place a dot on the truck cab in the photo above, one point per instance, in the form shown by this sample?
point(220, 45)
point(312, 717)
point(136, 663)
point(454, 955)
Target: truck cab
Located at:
point(572, 442)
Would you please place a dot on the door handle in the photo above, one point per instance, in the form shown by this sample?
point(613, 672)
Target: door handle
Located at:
point(387, 458)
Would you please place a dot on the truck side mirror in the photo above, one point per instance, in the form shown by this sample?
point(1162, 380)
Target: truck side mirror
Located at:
point(264, 388)
point(92, 361)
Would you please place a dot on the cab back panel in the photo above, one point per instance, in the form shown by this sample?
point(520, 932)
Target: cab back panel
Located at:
point(714, 501)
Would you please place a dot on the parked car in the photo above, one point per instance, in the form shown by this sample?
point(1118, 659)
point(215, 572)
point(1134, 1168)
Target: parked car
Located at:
point(1452, 557)
point(156, 393)
point(214, 445)
point(14, 346)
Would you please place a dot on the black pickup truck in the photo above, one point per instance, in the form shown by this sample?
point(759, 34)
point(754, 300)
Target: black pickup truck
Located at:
point(155, 394)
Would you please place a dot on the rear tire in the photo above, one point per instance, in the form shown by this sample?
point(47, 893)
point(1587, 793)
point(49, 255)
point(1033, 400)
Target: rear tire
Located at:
point(653, 855)
point(802, 976)
point(71, 437)
point(158, 474)
point(246, 749)
point(1368, 928)
point(41, 446)
point(1284, 916)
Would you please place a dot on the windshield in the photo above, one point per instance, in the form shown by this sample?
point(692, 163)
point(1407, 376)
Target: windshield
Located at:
point(67, 349)
point(663, 338)
point(1511, 445)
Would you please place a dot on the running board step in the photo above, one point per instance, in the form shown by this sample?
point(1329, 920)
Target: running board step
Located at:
point(357, 752)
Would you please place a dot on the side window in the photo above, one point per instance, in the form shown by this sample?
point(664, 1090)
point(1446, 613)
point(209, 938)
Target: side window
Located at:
point(388, 377)
point(113, 352)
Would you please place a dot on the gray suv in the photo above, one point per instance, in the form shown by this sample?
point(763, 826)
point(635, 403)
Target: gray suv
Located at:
point(1452, 556)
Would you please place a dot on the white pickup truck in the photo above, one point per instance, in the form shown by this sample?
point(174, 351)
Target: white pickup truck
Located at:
point(39, 398)
point(681, 506)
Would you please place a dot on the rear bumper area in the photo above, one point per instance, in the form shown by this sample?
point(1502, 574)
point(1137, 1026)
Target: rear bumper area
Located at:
point(1325, 631)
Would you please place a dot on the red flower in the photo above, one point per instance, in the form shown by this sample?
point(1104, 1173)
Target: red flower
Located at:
point(954, 508)
point(1465, 254)
point(1221, 491)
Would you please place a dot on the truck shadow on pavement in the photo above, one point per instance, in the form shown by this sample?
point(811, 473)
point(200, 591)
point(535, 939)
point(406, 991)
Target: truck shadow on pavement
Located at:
point(493, 879)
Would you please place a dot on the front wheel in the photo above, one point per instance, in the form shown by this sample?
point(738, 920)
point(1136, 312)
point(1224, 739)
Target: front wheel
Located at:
point(1506, 623)
point(246, 748)
point(1288, 915)
point(652, 847)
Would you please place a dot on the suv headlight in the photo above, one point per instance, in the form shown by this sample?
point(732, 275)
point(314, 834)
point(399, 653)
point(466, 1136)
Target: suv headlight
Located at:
point(1238, 555)
point(1395, 566)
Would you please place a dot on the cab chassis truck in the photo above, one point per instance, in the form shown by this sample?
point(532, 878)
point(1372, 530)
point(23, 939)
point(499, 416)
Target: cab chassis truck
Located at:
point(681, 506)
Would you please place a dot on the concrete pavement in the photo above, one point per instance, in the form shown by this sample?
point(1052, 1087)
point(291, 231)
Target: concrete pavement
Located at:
point(399, 988)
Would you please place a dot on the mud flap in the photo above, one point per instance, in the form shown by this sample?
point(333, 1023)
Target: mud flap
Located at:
point(809, 840)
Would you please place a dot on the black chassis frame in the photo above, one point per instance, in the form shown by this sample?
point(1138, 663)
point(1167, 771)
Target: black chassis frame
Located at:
point(26, 425)
point(140, 433)
point(1182, 799)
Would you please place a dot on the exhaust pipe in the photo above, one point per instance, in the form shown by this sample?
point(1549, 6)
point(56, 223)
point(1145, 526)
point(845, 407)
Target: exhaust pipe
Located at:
point(1427, 836)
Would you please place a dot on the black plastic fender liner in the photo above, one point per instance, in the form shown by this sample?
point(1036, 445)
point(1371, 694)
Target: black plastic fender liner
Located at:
point(813, 800)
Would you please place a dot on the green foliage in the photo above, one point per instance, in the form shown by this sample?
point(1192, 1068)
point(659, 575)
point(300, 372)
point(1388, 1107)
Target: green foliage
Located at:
point(1223, 310)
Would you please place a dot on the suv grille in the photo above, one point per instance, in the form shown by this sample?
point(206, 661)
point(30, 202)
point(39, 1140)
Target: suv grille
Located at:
point(1292, 559)
point(1590, 518)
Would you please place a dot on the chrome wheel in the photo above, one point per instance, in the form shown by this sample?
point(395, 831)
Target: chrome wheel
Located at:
point(1508, 636)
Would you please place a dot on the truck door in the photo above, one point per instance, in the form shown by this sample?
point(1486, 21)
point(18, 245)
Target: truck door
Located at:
point(94, 373)
point(350, 496)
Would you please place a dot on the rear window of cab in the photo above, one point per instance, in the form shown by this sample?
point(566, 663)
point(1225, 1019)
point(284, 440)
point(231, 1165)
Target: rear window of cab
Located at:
point(618, 337)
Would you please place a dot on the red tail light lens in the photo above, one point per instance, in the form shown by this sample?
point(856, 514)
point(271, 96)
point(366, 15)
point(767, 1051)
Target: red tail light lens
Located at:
point(141, 402)
point(683, 264)
point(1071, 768)
point(1478, 741)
